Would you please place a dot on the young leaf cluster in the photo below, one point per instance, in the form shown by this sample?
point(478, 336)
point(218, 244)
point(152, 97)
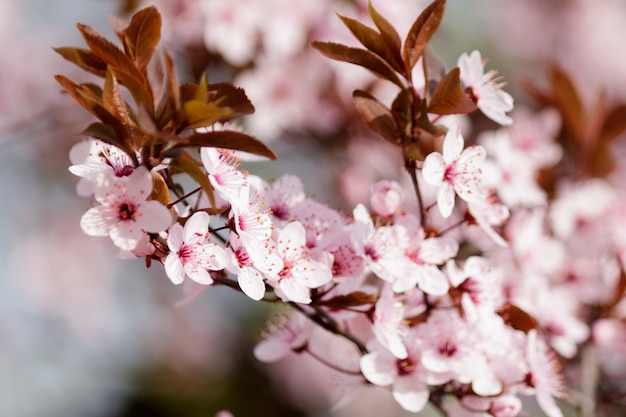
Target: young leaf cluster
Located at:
point(406, 123)
point(164, 118)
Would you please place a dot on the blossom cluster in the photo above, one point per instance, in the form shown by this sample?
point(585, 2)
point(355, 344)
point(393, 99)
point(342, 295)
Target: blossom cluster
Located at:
point(461, 289)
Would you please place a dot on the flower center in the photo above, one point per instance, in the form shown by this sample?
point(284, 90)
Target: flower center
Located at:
point(447, 348)
point(405, 366)
point(126, 211)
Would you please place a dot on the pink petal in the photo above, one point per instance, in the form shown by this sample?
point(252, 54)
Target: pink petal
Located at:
point(197, 223)
point(174, 268)
point(98, 221)
point(198, 274)
point(271, 350)
point(410, 393)
point(438, 250)
point(445, 199)
point(431, 280)
point(139, 183)
point(452, 145)
point(294, 290)
point(433, 169)
point(175, 237)
point(378, 368)
point(251, 283)
point(153, 217)
point(126, 235)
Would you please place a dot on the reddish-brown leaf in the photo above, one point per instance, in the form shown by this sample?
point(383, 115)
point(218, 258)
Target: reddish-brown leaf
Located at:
point(112, 98)
point(614, 124)
point(401, 109)
point(421, 32)
point(142, 35)
point(378, 117)
point(449, 97)
point(122, 65)
point(361, 57)
point(85, 96)
point(173, 90)
point(568, 101)
point(228, 95)
point(354, 299)
point(517, 318)
point(201, 114)
point(228, 139)
point(388, 33)
point(374, 42)
point(84, 59)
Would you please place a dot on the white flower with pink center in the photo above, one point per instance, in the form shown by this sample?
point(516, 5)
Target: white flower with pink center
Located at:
point(286, 334)
point(456, 172)
point(224, 176)
point(191, 253)
point(425, 254)
point(250, 272)
point(406, 376)
point(300, 271)
point(382, 248)
point(389, 325)
point(485, 88)
point(280, 195)
point(544, 376)
point(251, 221)
point(386, 198)
point(449, 348)
point(93, 157)
point(125, 214)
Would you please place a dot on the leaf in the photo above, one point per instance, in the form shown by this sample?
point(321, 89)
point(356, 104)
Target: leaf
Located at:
point(391, 39)
point(421, 32)
point(449, 97)
point(201, 114)
point(125, 70)
point(173, 90)
point(160, 192)
point(190, 166)
point(228, 95)
point(401, 109)
point(92, 103)
point(142, 35)
point(112, 98)
point(568, 101)
point(614, 124)
point(84, 59)
point(104, 133)
point(361, 57)
point(354, 299)
point(517, 318)
point(374, 42)
point(228, 139)
point(378, 117)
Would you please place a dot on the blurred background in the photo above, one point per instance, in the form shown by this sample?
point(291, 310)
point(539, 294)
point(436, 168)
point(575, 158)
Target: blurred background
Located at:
point(84, 333)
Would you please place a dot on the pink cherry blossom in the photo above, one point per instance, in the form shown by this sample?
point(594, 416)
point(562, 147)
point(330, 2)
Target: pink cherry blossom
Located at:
point(125, 213)
point(224, 176)
point(191, 254)
point(250, 271)
point(300, 271)
point(485, 88)
point(387, 197)
point(425, 255)
point(544, 374)
point(456, 172)
point(285, 334)
point(406, 376)
point(389, 324)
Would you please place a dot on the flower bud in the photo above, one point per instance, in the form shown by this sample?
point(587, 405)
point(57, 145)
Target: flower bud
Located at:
point(387, 197)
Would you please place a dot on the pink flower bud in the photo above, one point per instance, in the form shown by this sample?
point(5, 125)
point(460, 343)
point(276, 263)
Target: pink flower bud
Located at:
point(505, 406)
point(387, 197)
